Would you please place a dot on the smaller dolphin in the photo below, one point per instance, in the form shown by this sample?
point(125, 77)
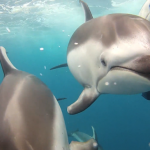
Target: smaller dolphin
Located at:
point(82, 137)
point(30, 116)
point(145, 10)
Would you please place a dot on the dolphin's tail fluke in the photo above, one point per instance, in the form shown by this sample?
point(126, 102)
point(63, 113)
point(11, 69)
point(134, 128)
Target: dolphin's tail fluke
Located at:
point(145, 10)
point(59, 66)
point(7, 66)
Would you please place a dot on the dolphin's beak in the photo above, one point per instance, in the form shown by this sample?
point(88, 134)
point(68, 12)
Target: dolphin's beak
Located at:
point(140, 65)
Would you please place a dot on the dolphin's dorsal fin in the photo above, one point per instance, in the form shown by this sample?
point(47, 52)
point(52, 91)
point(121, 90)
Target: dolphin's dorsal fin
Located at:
point(7, 66)
point(88, 14)
point(94, 134)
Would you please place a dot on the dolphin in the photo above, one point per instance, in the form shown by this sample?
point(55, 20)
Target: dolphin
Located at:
point(110, 55)
point(83, 137)
point(145, 10)
point(30, 116)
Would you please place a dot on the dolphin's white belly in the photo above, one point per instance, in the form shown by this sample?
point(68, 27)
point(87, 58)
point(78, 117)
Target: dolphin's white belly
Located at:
point(84, 64)
point(123, 82)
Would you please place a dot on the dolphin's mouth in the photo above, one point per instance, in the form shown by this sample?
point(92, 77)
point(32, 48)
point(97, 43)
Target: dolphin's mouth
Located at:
point(120, 68)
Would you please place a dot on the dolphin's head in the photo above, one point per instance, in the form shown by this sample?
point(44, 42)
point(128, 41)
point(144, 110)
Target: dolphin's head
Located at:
point(110, 54)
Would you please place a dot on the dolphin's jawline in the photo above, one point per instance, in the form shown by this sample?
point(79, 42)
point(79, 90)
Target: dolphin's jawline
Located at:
point(145, 75)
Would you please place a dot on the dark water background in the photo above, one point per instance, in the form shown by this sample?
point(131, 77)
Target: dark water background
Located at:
point(122, 122)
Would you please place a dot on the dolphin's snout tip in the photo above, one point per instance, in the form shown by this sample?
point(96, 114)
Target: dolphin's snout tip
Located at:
point(69, 110)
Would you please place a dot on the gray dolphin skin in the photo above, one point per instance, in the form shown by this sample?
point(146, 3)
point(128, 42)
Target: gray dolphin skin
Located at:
point(30, 116)
point(83, 137)
point(110, 55)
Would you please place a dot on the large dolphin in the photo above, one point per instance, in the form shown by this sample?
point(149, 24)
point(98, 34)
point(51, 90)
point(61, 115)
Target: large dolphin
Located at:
point(110, 54)
point(83, 137)
point(30, 116)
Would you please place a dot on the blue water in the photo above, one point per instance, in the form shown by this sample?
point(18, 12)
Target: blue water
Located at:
point(122, 122)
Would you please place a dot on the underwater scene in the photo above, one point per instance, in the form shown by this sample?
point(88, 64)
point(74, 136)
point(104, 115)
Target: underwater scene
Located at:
point(93, 56)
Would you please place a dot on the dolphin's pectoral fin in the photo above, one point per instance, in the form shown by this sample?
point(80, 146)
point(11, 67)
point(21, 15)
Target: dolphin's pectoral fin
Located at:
point(87, 97)
point(89, 145)
point(7, 66)
point(146, 95)
point(58, 99)
point(88, 14)
point(60, 66)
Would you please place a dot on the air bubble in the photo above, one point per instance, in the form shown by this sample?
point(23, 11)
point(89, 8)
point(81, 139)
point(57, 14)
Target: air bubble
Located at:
point(106, 83)
point(41, 49)
point(7, 29)
point(95, 144)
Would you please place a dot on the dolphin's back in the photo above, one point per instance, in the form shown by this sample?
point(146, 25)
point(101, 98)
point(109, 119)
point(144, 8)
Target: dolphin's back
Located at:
point(30, 117)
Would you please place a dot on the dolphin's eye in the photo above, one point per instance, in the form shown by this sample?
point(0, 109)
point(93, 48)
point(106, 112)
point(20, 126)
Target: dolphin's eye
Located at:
point(103, 62)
